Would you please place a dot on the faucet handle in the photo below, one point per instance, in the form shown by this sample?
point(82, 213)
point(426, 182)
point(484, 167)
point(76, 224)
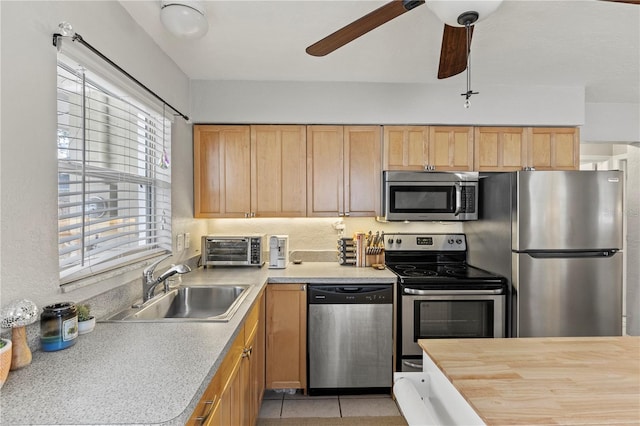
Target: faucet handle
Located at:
point(148, 271)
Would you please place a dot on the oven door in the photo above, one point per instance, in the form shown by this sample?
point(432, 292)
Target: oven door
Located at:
point(227, 251)
point(435, 314)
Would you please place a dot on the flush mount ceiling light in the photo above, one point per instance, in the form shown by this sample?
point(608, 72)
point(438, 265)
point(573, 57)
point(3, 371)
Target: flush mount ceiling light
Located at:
point(184, 19)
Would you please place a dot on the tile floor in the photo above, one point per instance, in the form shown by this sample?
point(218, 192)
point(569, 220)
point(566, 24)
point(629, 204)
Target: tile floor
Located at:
point(284, 405)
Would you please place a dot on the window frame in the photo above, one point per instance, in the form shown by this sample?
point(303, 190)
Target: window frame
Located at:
point(124, 239)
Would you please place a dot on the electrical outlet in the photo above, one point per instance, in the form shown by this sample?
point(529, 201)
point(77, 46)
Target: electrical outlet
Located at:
point(180, 243)
point(187, 240)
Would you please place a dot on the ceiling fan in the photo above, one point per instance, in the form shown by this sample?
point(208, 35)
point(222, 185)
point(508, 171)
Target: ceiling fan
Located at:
point(459, 17)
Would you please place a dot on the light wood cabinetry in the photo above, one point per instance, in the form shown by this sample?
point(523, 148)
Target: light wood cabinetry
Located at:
point(278, 171)
point(286, 331)
point(500, 148)
point(234, 394)
point(554, 148)
point(221, 171)
point(297, 171)
point(451, 148)
point(439, 148)
point(405, 147)
point(343, 170)
point(249, 171)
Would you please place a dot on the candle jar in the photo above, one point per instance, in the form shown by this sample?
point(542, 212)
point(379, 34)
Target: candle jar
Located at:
point(58, 326)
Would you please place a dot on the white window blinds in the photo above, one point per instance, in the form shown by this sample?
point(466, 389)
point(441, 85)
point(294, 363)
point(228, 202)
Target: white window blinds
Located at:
point(114, 183)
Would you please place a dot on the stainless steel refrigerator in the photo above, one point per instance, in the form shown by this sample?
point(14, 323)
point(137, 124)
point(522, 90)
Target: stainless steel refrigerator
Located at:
point(557, 236)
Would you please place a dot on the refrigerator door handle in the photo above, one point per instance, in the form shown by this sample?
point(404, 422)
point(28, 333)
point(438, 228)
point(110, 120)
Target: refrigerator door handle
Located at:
point(571, 254)
point(458, 199)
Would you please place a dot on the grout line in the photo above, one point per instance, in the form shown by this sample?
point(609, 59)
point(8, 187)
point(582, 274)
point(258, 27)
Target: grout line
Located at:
point(339, 406)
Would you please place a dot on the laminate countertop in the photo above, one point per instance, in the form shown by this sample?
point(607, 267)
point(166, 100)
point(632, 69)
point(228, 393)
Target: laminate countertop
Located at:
point(572, 380)
point(147, 373)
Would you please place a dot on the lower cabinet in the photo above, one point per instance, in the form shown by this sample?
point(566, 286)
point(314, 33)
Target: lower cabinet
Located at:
point(286, 331)
point(235, 393)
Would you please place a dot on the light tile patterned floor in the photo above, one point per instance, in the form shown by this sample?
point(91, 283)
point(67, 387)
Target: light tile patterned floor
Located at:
point(284, 405)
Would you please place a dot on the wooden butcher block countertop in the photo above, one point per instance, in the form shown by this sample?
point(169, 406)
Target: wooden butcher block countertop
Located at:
point(582, 380)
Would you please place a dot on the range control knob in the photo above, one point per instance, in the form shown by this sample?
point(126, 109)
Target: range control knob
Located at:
point(450, 241)
point(459, 241)
point(398, 240)
point(390, 241)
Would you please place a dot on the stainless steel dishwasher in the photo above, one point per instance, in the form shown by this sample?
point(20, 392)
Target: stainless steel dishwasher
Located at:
point(350, 338)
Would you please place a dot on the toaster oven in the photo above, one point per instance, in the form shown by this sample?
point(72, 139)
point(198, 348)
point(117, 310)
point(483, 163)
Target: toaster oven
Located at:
point(234, 250)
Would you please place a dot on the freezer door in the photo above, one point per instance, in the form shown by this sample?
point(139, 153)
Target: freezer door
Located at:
point(568, 210)
point(578, 296)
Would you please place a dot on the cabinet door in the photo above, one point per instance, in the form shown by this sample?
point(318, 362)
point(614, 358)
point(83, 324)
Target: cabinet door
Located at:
point(362, 171)
point(278, 171)
point(500, 148)
point(554, 148)
point(405, 147)
point(325, 176)
point(286, 329)
point(258, 362)
point(451, 148)
point(221, 171)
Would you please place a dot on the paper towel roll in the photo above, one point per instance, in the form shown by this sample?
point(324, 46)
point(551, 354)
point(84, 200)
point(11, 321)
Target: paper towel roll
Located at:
point(413, 408)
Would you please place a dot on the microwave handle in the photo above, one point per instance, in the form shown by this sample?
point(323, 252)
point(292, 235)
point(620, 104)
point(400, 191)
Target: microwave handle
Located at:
point(458, 199)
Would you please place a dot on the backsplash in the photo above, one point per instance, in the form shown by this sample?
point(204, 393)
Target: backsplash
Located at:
point(321, 233)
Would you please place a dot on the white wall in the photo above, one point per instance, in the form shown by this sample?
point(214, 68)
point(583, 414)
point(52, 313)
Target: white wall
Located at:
point(632, 210)
point(611, 123)
point(376, 103)
point(28, 248)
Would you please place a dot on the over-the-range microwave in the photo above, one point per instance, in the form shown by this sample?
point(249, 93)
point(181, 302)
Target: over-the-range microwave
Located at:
point(427, 196)
point(232, 250)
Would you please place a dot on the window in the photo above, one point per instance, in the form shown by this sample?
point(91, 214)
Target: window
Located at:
point(114, 183)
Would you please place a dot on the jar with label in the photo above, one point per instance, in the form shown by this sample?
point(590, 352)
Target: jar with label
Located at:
point(58, 326)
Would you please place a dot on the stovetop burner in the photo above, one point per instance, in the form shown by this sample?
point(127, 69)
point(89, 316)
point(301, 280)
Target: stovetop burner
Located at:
point(430, 271)
point(435, 261)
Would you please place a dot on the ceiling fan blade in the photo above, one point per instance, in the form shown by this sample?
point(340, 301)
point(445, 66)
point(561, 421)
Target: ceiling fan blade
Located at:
point(362, 26)
point(453, 55)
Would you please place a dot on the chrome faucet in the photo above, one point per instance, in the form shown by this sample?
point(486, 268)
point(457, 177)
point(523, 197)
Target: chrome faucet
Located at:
point(149, 283)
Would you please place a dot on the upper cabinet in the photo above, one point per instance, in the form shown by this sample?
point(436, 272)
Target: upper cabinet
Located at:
point(554, 148)
point(451, 148)
point(500, 148)
point(317, 170)
point(406, 147)
point(221, 171)
point(343, 170)
point(249, 171)
point(516, 148)
point(278, 171)
point(439, 148)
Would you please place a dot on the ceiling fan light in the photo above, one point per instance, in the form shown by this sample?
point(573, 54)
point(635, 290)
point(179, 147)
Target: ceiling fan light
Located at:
point(184, 19)
point(448, 11)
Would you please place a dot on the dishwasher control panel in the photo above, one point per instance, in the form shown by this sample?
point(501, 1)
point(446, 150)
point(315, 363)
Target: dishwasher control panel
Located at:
point(350, 294)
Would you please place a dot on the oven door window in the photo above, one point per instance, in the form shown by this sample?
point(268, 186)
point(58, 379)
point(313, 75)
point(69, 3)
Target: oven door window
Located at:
point(228, 250)
point(436, 319)
point(422, 199)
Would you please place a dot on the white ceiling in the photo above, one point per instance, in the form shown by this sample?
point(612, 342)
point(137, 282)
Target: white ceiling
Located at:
point(588, 43)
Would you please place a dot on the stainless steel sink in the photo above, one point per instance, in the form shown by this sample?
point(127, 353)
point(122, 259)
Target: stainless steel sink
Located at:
point(215, 303)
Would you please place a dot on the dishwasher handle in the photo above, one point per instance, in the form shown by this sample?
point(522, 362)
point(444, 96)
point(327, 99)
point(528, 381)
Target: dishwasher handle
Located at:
point(345, 294)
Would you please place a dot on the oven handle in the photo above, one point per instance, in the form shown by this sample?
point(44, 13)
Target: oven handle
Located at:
point(416, 365)
point(458, 199)
point(449, 292)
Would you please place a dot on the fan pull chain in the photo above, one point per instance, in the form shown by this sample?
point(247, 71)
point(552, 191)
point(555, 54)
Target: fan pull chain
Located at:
point(469, 92)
